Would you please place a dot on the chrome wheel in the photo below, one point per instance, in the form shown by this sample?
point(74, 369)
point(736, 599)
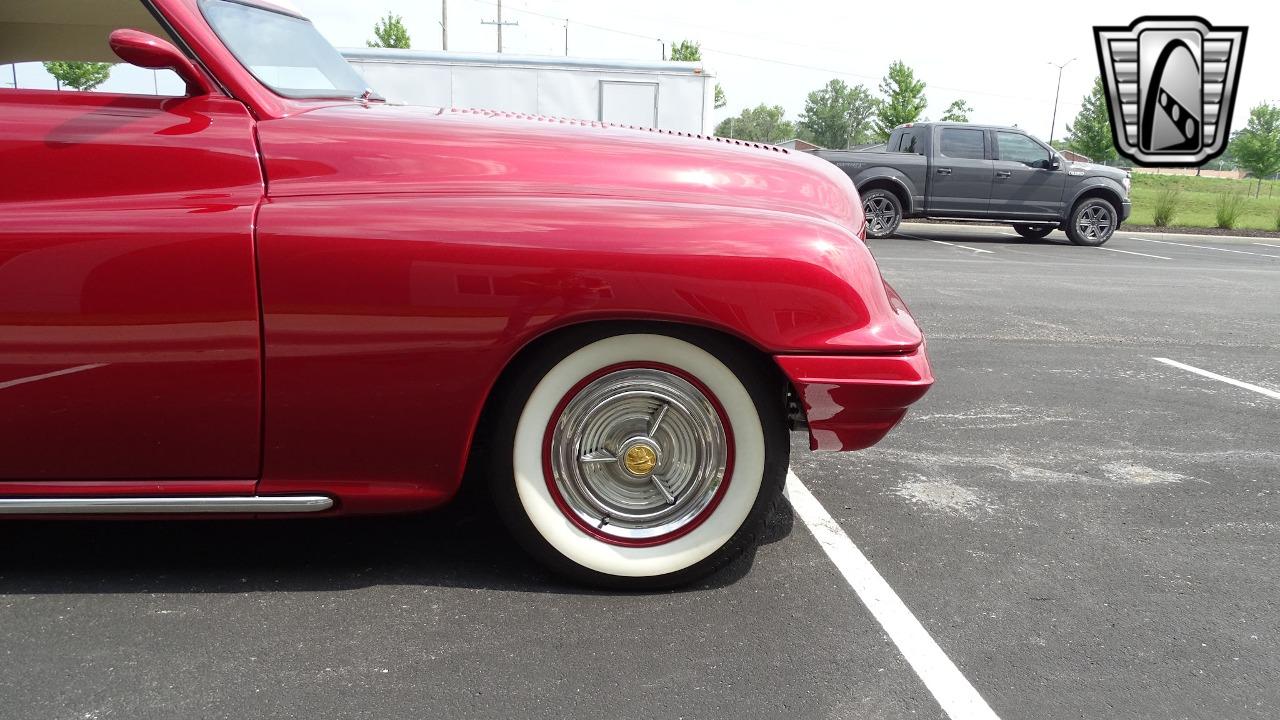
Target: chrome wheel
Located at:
point(637, 454)
point(1094, 223)
point(882, 216)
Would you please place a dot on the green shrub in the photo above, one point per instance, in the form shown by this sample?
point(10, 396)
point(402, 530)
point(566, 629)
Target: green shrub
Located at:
point(1278, 218)
point(1228, 209)
point(1165, 206)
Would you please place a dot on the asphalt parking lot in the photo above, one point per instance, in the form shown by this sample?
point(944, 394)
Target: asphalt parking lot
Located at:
point(1084, 530)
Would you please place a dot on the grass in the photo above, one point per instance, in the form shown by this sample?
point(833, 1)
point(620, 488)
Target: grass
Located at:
point(1198, 199)
point(1167, 203)
point(1229, 208)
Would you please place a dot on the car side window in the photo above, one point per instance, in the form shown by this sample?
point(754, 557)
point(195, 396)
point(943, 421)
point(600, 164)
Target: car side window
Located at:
point(963, 143)
point(63, 46)
point(910, 143)
point(1016, 147)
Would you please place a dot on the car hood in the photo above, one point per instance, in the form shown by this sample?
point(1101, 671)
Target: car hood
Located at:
point(379, 148)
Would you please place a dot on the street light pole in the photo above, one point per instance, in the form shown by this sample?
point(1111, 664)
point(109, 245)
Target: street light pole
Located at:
point(444, 24)
point(1053, 124)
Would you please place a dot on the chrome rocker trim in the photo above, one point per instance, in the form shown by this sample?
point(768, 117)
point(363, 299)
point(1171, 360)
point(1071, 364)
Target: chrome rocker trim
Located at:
point(165, 505)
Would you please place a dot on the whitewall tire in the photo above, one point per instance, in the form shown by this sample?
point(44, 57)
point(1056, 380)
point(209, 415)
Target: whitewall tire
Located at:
point(640, 460)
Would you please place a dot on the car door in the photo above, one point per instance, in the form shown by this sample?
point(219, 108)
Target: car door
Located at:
point(960, 180)
point(129, 325)
point(1025, 182)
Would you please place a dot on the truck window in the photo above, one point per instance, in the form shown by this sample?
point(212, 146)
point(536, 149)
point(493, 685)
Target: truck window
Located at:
point(1016, 147)
point(909, 143)
point(962, 143)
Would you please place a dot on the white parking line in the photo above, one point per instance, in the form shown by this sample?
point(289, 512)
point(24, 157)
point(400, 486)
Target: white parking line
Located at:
point(966, 247)
point(953, 692)
point(46, 376)
point(1221, 378)
point(1206, 247)
point(1130, 252)
point(1267, 245)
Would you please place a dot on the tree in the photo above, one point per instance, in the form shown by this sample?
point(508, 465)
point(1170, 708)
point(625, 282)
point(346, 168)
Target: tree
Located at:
point(957, 111)
point(390, 32)
point(838, 116)
point(691, 51)
point(1090, 133)
point(903, 101)
point(79, 75)
point(686, 51)
point(763, 123)
point(1257, 147)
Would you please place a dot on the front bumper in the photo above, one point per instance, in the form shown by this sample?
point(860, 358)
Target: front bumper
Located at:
point(852, 401)
point(1126, 207)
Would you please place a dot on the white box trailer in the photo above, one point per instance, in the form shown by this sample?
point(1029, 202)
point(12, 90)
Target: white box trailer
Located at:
point(668, 95)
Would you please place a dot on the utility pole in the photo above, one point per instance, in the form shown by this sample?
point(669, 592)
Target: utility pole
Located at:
point(499, 22)
point(444, 24)
point(566, 37)
point(1053, 124)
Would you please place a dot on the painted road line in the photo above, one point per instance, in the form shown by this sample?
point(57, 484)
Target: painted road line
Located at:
point(953, 692)
point(1130, 252)
point(1221, 378)
point(1267, 245)
point(1206, 247)
point(966, 247)
point(46, 376)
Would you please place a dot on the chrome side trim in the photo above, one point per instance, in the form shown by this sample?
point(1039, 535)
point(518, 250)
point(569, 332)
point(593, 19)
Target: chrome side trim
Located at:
point(163, 505)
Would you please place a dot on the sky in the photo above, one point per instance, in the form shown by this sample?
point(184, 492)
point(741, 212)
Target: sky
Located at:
point(995, 55)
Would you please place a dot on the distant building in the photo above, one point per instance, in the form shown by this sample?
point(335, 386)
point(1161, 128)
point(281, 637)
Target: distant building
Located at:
point(1075, 156)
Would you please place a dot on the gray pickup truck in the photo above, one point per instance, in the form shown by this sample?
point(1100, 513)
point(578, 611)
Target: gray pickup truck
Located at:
point(979, 172)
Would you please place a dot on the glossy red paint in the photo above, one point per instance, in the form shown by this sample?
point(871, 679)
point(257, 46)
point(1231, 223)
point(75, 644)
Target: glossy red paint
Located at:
point(336, 325)
point(438, 293)
point(129, 322)
point(470, 153)
point(852, 402)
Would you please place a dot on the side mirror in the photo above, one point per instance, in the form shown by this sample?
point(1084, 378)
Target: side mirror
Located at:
point(1055, 162)
point(148, 51)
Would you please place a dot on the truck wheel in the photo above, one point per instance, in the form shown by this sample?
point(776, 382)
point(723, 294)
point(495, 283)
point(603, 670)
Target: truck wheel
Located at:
point(639, 461)
point(1033, 232)
point(883, 211)
point(1092, 222)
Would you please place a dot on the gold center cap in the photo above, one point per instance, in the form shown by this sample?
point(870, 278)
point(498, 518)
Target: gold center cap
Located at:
point(640, 459)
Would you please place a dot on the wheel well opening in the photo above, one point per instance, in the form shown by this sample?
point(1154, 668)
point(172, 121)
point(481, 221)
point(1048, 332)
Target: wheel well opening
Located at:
point(1102, 193)
point(496, 402)
point(893, 188)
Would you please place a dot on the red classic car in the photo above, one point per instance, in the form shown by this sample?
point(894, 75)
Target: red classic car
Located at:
point(273, 292)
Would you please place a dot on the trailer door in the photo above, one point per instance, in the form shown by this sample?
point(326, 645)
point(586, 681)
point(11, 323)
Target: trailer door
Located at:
point(629, 103)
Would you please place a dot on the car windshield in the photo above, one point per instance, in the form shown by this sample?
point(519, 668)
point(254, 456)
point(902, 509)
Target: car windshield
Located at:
point(286, 53)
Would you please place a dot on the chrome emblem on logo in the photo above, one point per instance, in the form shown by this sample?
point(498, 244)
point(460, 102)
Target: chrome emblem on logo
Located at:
point(1170, 84)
